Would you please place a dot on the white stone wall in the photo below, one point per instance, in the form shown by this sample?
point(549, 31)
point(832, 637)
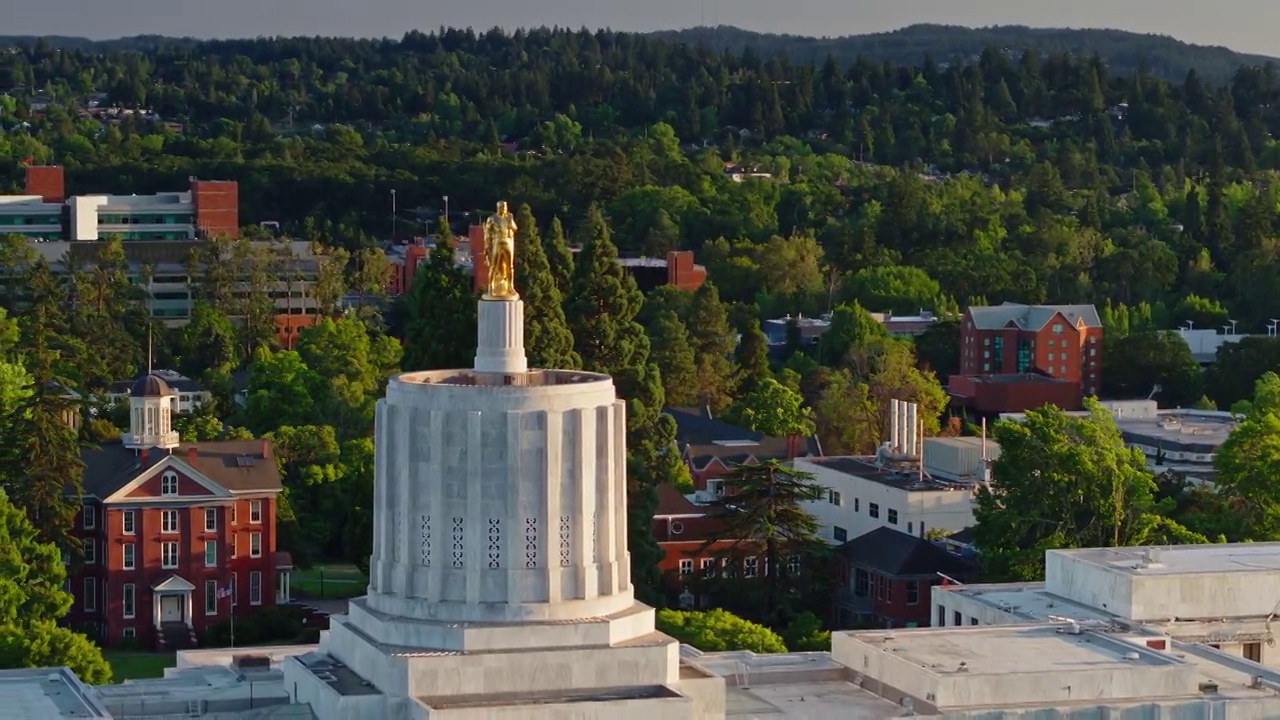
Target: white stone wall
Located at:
point(500, 503)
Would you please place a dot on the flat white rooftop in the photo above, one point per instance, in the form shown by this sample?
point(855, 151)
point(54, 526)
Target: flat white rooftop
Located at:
point(1011, 649)
point(808, 701)
point(1028, 601)
point(48, 694)
point(1263, 557)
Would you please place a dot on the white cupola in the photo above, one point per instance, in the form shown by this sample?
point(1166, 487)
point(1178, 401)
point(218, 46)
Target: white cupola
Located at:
point(150, 415)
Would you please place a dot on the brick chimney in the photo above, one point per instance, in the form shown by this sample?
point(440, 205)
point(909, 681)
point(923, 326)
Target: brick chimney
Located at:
point(266, 449)
point(142, 456)
point(191, 455)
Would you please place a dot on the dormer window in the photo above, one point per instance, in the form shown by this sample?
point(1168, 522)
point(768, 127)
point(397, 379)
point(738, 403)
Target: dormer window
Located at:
point(169, 484)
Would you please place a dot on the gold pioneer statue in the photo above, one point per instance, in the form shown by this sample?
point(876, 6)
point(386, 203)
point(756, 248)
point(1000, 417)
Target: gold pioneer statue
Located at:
point(500, 254)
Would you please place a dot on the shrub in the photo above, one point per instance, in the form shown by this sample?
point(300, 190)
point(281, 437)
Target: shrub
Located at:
point(718, 630)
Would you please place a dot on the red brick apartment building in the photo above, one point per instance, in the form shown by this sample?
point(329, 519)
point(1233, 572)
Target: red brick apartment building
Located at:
point(1017, 357)
point(692, 548)
point(169, 528)
point(886, 577)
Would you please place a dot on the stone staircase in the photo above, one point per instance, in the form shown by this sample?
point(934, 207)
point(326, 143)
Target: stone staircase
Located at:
point(176, 636)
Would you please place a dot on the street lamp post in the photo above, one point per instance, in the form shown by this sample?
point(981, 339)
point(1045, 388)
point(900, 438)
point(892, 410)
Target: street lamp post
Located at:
point(393, 214)
point(446, 209)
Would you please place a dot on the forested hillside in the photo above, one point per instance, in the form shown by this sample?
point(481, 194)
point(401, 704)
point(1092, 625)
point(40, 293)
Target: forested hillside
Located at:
point(1027, 178)
point(1124, 52)
point(804, 187)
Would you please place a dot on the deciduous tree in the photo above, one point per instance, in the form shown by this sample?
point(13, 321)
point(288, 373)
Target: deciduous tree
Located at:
point(32, 600)
point(1065, 482)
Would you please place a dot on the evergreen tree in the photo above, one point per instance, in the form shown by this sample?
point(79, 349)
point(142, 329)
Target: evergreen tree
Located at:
point(752, 356)
point(440, 327)
point(547, 339)
point(559, 257)
point(601, 311)
point(1217, 222)
point(42, 469)
point(673, 355)
point(713, 343)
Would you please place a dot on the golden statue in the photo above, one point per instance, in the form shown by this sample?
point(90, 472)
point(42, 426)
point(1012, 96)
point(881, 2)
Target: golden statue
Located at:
point(500, 254)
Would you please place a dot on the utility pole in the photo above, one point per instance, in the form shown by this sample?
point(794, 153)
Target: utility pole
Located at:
point(446, 211)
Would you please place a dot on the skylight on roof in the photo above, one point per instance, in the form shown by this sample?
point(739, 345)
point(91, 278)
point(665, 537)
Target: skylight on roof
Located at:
point(737, 443)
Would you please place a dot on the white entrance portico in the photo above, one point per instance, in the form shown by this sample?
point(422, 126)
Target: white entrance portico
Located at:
point(171, 601)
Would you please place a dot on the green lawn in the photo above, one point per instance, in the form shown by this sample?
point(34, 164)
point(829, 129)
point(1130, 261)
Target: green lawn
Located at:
point(329, 581)
point(137, 665)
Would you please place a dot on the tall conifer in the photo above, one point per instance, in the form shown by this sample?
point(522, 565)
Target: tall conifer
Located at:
point(547, 340)
point(440, 310)
point(673, 355)
point(602, 313)
point(559, 257)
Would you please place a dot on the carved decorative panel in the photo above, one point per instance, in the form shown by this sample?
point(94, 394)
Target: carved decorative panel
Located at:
point(426, 541)
point(564, 541)
point(397, 539)
point(457, 542)
point(595, 537)
point(531, 542)
point(495, 542)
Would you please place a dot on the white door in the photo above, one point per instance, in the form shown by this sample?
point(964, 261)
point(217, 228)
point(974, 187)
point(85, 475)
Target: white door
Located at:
point(170, 608)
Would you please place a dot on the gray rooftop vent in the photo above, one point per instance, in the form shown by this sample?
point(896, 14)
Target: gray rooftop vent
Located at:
point(1209, 687)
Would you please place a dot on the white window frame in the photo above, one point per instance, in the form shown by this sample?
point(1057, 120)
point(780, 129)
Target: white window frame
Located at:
point(129, 556)
point(130, 632)
point(750, 566)
point(686, 567)
point(255, 575)
point(90, 599)
point(793, 565)
point(169, 484)
point(164, 555)
point(128, 601)
point(128, 523)
point(235, 546)
point(211, 546)
point(708, 567)
point(233, 513)
point(833, 497)
point(255, 512)
point(255, 545)
point(211, 519)
point(90, 551)
point(167, 528)
point(89, 517)
point(210, 597)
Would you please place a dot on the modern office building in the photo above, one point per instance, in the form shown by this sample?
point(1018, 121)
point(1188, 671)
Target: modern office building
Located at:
point(47, 213)
point(163, 269)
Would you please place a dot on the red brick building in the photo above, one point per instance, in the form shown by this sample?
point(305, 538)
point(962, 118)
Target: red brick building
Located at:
point(176, 535)
point(710, 447)
point(682, 530)
point(887, 575)
point(694, 550)
point(1016, 357)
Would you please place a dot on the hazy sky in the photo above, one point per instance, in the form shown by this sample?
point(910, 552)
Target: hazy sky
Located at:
point(1245, 25)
